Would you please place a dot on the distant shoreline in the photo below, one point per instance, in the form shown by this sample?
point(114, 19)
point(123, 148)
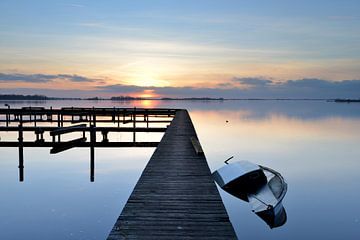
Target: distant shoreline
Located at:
point(14, 97)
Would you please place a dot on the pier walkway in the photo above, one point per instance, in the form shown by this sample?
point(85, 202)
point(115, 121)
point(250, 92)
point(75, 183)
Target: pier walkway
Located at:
point(175, 197)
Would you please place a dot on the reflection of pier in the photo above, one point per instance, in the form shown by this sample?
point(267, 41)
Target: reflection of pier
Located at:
point(175, 197)
point(41, 121)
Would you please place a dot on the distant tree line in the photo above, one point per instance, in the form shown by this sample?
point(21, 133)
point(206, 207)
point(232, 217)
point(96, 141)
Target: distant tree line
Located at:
point(22, 97)
point(346, 100)
point(194, 98)
point(125, 98)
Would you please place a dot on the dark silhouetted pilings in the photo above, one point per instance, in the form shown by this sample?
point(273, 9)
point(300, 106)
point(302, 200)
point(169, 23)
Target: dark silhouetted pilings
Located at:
point(39, 121)
point(72, 115)
point(175, 197)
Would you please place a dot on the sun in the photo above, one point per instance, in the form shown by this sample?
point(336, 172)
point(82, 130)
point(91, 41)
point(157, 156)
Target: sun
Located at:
point(148, 93)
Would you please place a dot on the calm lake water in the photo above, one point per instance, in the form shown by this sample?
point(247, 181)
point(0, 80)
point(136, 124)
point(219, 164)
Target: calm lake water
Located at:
point(313, 144)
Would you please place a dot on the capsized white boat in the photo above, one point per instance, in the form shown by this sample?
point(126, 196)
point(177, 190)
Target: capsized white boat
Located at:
point(262, 187)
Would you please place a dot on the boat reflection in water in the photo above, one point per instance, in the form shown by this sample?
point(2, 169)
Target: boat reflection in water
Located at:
point(262, 187)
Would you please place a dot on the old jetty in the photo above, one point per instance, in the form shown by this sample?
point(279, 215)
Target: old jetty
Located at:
point(175, 197)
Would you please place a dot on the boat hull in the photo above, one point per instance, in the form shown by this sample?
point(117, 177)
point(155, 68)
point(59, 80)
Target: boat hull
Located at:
point(262, 187)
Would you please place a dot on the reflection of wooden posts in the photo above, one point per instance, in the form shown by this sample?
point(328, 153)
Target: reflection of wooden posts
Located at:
point(92, 152)
point(21, 153)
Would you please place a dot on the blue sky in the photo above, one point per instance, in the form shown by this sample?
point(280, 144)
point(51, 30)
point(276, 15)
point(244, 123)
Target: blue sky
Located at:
point(176, 44)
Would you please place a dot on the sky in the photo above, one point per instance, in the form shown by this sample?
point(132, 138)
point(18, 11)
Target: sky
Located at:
point(168, 48)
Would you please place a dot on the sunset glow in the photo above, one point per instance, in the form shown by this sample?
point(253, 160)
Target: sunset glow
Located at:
point(148, 94)
point(176, 45)
point(144, 80)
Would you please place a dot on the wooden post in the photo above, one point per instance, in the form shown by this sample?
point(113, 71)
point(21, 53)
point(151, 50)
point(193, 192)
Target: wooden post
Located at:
point(134, 125)
point(7, 115)
point(59, 125)
point(51, 114)
point(58, 120)
point(147, 119)
point(72, 114)
point(37, 135)
point(92, 152)
point(21, 153)
point(94, 117)
point(105, 136)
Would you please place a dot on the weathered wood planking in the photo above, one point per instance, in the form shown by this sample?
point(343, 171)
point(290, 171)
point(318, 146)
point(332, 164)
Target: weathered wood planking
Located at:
point(175, 197)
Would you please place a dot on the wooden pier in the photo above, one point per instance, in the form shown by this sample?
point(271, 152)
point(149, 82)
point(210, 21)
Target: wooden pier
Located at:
point(175, 197)
point(55, 123)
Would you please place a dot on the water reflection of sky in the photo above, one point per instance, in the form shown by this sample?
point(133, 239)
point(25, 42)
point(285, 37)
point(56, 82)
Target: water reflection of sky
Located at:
point(314, 144)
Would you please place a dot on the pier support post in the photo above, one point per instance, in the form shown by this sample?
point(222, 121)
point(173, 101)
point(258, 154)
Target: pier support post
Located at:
point(134, 125)
point(21, 153)
point(92, 152)
point(105, 136)
point(7, 115)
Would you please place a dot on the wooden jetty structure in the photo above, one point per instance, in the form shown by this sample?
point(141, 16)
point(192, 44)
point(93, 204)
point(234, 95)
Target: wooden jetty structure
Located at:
point(175, 197)
point(50, 125)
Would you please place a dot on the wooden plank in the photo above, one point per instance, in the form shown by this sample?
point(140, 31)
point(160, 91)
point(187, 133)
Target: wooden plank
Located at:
point(63, 146)
point(63, 130)
point(175, 197)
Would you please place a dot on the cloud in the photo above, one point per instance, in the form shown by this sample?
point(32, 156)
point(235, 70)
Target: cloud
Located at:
point(74, 5)
point(309, 83)
point(259, 88)
point(252, 81)
point(75, 78)
point(122, 89)
point(43, 78)
point(316, 88)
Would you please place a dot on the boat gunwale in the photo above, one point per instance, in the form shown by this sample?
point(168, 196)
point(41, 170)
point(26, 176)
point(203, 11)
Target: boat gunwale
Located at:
point(284, 190)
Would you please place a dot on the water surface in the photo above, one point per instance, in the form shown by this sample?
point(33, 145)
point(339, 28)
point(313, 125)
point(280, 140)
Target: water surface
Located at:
point(314, 144)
